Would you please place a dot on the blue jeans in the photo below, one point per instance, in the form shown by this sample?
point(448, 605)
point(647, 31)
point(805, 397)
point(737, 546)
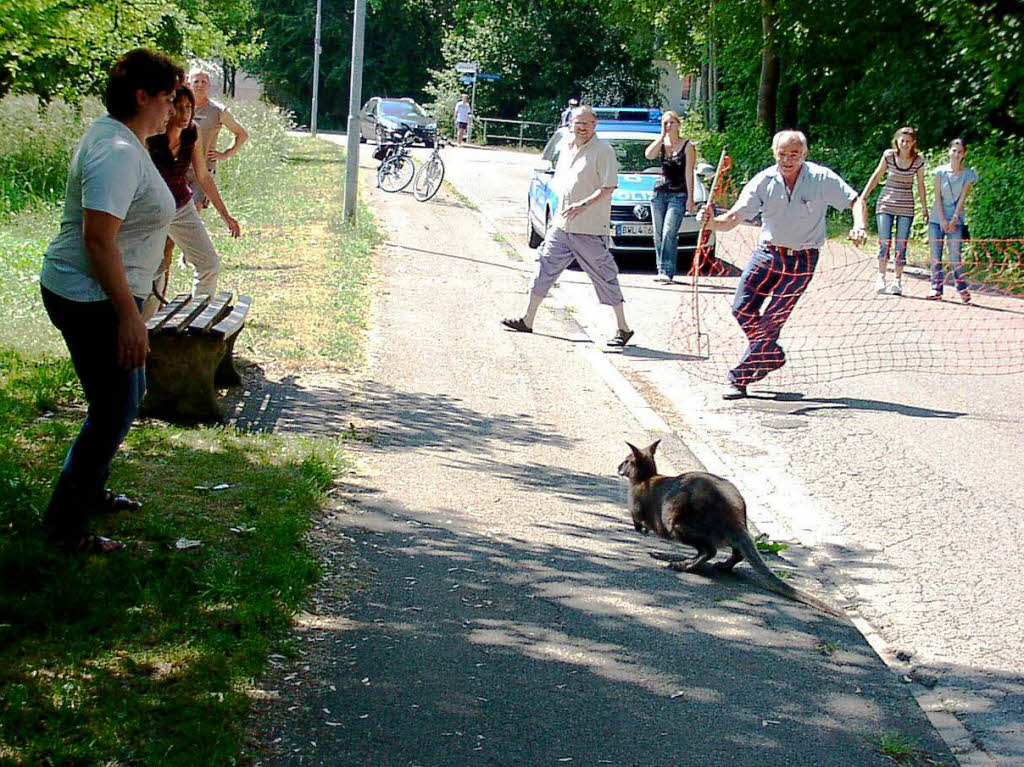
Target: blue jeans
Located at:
point(113, 394)
point(667, 210)
point(784, 275)
point(885, 224)
point(935, 238)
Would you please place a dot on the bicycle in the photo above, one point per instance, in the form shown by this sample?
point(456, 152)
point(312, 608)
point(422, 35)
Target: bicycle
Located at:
point(397, 167)
point(430, 175)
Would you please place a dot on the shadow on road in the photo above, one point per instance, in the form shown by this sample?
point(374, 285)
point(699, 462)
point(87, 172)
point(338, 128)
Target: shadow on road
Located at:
point(809, 405)
point(466, 649)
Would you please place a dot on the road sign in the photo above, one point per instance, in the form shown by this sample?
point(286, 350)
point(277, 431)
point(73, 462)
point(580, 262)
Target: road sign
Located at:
point(466, 66)
point(488, 77)
point(466, 79)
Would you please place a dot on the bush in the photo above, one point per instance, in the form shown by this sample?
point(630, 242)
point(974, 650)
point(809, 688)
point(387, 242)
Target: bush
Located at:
point(37, 142)
point(996, 206)
point(249, 170)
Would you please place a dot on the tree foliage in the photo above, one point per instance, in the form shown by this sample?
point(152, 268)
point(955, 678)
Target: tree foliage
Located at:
point(64, 48)
point(547, 52)
point(402, 41)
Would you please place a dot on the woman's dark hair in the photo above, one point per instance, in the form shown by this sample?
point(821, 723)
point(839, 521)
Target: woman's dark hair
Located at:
point(959, 141)
point(184, 92)
point(142, 68)
point(905, 131)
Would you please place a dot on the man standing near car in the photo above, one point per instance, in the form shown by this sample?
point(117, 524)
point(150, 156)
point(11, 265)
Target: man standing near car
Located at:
point(585, 177)
point(209, 116)
point(792, 197)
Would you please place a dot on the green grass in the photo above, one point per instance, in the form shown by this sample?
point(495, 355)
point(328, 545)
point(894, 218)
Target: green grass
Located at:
point(149, 656)
point(896, 747)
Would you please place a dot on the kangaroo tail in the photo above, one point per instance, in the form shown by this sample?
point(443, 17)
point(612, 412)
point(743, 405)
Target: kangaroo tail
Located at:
point(773, 582)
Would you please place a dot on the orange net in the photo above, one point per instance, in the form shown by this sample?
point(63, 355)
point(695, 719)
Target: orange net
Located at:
point(807, 319)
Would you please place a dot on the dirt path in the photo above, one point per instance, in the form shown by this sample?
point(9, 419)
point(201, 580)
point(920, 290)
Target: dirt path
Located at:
point(510, 614)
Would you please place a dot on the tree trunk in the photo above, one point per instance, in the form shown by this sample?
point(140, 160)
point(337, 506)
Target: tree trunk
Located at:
point(768, 90)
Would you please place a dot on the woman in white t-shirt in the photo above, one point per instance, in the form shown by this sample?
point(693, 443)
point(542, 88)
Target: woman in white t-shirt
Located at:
point(96, 273)
point(953, 183)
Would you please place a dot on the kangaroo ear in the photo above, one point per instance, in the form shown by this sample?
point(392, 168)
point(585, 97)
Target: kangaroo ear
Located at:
point(653, 447)
point(634, 449)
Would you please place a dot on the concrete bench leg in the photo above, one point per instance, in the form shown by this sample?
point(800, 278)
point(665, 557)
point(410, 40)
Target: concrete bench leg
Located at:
point(226, 374)
point(180, 378)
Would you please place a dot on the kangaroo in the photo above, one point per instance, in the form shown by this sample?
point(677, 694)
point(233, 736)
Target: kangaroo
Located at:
point(703, 511)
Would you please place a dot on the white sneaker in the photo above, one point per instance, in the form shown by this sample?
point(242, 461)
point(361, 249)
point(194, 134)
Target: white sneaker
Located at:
point(897, 288)
point(880, 283)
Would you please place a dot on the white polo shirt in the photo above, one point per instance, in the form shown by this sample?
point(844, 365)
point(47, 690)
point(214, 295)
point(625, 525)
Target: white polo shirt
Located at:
point(580, 172)
point(794, 220)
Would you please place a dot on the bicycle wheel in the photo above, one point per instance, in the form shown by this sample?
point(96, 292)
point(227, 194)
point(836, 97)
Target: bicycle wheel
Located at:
point(428, 179)
point(394, 174)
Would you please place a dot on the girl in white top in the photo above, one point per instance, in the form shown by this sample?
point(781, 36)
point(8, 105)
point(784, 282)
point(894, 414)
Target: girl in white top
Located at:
point(953, 184)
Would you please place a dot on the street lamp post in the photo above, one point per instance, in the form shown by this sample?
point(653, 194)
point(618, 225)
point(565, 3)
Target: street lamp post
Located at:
point(354, 95)
point(316, 70)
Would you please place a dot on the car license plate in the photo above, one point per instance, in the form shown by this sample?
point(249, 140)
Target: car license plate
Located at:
point(634, 230)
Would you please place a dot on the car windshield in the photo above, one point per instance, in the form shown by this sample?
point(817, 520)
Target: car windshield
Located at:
point(635, 115)
point(401, 109)
point(630, 153)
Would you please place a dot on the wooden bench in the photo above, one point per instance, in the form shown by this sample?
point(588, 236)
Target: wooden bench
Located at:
point(191, 343)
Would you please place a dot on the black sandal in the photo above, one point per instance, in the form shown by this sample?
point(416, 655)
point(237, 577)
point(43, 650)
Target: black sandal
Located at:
point(88, 544)
point(112, 502)
point(97, 544)
point(516, 324)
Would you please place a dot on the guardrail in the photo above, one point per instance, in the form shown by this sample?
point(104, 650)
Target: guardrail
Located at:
point(541, 131)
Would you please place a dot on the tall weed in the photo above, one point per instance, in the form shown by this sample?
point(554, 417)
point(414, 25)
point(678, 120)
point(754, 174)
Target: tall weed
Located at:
point(36, 144)
point(258, 160)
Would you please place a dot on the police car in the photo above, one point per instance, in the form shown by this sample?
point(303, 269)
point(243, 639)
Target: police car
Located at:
point(630, 227)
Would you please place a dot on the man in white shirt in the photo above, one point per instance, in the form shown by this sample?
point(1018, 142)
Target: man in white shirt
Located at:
point(792, 197)
point(585, 177)
point(463, 111)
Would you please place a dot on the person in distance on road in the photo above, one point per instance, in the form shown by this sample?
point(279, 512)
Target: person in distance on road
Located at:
point(463, 111)
point(584, 179)
point(567, 113)
point(792, 197)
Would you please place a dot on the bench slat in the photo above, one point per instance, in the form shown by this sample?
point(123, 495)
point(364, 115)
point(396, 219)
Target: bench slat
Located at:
point(212, 314)
point(166, 312)
point(234, 321)
point(187, 313)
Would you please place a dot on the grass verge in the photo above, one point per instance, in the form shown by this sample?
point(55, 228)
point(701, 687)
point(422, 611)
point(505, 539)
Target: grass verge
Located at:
point(149, 656)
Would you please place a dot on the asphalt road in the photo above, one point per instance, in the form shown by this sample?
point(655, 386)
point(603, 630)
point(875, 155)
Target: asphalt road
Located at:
point(506, 612)
point(906, 485)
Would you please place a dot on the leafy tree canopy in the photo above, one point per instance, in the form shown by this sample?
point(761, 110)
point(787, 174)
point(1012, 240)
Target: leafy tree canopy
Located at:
point(66, 47)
